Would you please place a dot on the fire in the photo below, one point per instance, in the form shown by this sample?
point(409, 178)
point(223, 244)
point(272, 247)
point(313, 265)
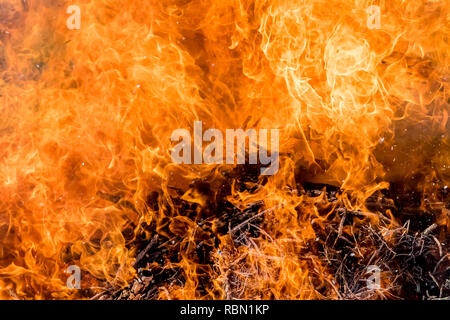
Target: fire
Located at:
point(87, 117)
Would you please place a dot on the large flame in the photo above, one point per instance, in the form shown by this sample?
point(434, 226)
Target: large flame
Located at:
point(86, 118)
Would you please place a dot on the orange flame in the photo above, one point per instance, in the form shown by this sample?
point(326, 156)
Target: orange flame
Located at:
point(87, 116)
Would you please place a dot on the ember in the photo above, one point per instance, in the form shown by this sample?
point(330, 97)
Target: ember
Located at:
point(354, 94)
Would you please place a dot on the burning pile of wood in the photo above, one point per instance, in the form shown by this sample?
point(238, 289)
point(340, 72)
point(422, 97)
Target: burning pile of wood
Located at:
point(415, 254)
